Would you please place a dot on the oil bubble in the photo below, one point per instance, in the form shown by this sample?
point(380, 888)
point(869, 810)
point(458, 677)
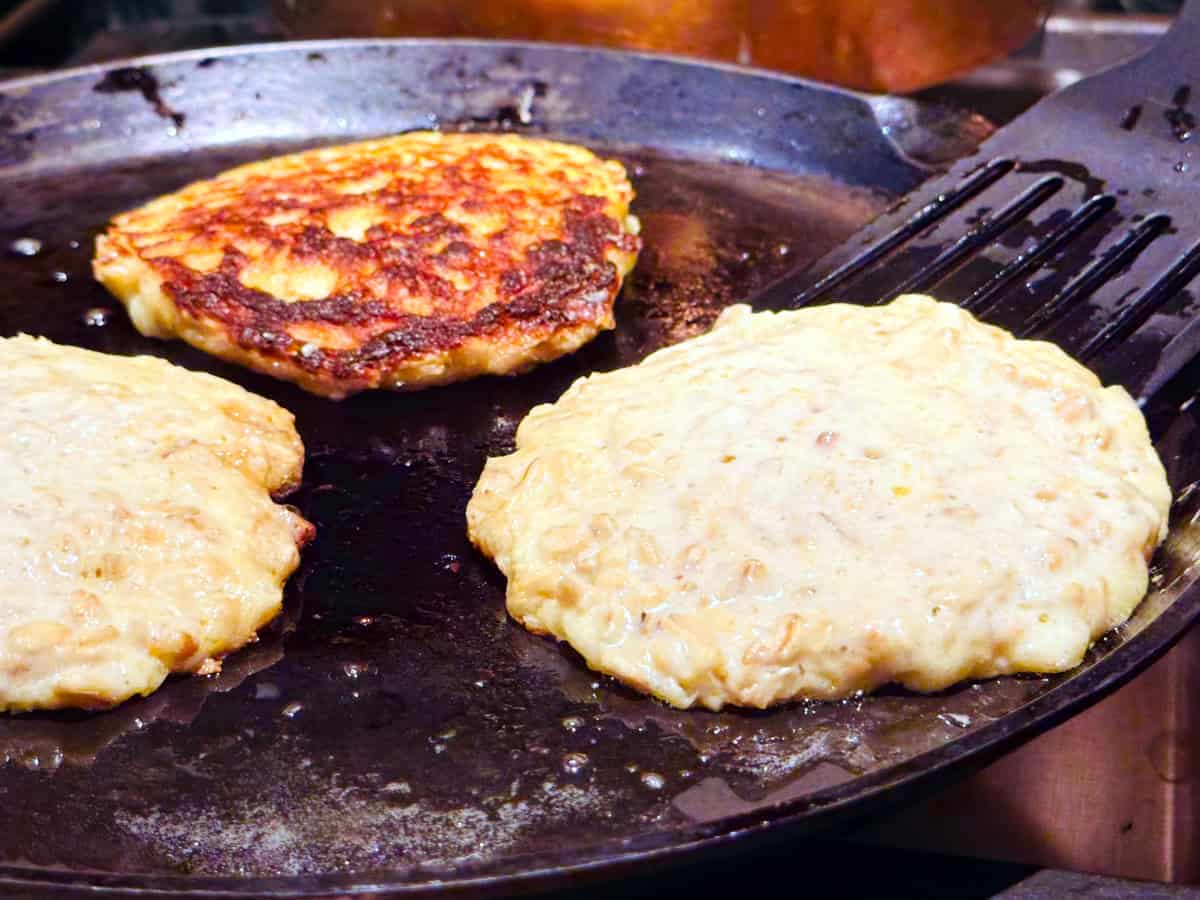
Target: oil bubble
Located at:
point(26, 246)
point(653, 781)
point(292, 710)
point(97, 317)
point(958, 720)
point(575, 763)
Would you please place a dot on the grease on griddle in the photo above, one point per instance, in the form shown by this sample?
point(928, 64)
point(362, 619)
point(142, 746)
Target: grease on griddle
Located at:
point(25, 246)
point(717, 235)
point(142, 80)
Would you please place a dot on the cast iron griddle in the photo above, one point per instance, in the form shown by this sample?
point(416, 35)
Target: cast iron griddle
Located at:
point(394, 728)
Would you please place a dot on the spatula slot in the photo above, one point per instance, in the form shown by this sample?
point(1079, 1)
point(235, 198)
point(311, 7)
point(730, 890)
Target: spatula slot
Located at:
point(1133, 316)
point(1032, 259)
point(932, 213)
point(981, 235)
point(1104, 268)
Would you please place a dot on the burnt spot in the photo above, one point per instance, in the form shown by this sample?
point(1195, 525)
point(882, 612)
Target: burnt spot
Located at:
point(436, 225)
point(457, 252)
point(513, 281)
point(316, 242)
point(141, 80)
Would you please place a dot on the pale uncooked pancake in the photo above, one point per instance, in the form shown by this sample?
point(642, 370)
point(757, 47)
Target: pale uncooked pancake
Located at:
point(138, 535)
point(819, 502)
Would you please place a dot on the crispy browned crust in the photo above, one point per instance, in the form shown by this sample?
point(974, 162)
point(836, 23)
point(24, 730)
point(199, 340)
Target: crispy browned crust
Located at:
point(409, 261)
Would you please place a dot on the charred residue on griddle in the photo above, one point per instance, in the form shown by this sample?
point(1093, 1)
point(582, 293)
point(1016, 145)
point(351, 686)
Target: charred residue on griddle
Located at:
point(508, 116)
point(1130, 119)
point(518, 114)
point(142, 80)
point(18, 128)
point(1182, 122)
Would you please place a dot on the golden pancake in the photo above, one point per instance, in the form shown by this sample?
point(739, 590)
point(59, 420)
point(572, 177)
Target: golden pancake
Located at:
point(400, 263)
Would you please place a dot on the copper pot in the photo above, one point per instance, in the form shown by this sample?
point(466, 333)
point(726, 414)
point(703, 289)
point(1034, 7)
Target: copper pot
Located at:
point(879, 45)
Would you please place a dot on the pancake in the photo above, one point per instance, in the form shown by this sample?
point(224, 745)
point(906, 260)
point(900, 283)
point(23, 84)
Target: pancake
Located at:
point(814, 503)
point(138, 536)
point(405, 262)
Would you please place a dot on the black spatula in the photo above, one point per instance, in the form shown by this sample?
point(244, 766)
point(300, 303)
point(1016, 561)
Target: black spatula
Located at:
point(1078, 222)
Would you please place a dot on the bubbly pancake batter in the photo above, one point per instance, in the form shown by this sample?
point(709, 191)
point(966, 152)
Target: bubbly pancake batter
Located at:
point(138, 536)
point(819, 502)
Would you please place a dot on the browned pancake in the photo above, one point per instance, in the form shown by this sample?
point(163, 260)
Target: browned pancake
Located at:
point(404, 262)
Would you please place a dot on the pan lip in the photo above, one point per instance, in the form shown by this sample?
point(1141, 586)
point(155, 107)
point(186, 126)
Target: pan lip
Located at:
point(871, 103)
point(28, 82)
point(1060, 702)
